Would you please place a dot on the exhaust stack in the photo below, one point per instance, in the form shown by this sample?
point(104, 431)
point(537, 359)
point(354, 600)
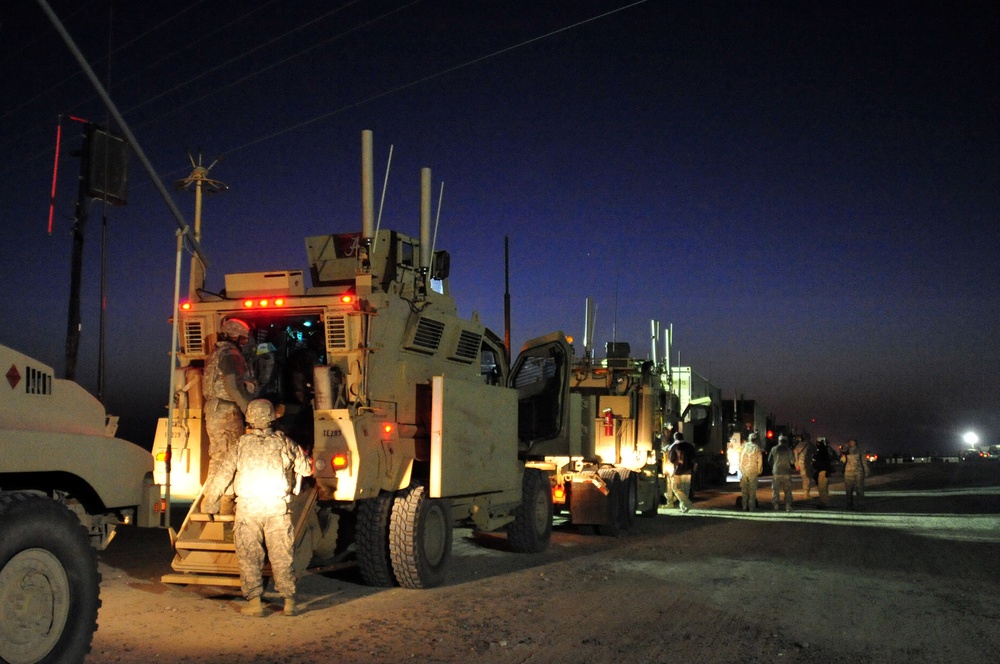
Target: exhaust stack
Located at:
point(367, 186)
point(425, 219)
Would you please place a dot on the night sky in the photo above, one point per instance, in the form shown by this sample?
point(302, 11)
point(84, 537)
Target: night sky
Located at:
point(809, 192)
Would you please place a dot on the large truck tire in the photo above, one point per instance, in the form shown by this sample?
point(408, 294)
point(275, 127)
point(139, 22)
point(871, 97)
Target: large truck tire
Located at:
point(372, 541)
point(419, 538)
point(616, 505)
point(656, 487)
point(49, 582)
point(531, 529)
point(630, 497)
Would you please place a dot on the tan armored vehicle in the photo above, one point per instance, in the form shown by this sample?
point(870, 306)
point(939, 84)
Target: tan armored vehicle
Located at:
point(402, 404)
point(599, 441)
point(66, 482)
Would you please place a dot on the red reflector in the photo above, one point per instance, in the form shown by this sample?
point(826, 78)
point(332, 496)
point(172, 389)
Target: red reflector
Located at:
point(161, 506)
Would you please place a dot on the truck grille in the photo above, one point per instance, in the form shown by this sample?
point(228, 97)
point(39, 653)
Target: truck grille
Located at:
point(37, 382)
point(467, 349)
point(194, 337)
point(336, 331)
point(428, 334)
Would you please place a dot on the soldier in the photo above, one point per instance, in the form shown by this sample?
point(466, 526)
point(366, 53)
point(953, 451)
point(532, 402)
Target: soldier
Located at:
point(856, 469)
point(226, 396)
point(782, 460)
point(804, 451)
point(266, 468)
point(681, 456)
point(751, 464)
point(821, 470)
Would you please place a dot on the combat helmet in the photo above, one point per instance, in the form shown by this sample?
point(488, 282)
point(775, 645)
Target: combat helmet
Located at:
point(234, 328)
point(260, 413)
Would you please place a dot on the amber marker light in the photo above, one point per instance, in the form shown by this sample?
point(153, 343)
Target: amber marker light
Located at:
point(347, 298)
point(387, 428)
point(339, 461)
point(559, 493)
point(248, 304)
point(186, 306)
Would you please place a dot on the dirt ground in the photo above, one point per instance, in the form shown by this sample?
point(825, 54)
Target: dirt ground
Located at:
point(910, 578)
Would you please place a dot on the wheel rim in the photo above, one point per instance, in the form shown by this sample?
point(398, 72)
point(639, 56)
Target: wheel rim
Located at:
point(34, 606)
point(435, 530)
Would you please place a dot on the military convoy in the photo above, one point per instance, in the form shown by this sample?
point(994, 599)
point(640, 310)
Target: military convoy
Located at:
point(66, 483)
point(415, 417)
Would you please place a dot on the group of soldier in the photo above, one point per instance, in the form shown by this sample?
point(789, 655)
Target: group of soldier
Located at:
point(812, 462)
point(253, 470)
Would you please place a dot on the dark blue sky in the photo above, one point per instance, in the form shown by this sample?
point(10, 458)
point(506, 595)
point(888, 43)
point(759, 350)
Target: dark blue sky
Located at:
point(808, 191)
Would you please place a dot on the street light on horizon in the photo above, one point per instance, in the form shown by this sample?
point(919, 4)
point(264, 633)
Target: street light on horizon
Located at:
point(970, 438)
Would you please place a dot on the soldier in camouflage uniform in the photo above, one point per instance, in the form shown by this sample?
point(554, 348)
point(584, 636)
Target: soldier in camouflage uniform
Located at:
point(804, 451)
point(751, 465)
point(856, 469)
point(265, 467)
point(782, 460)
point(224, 385)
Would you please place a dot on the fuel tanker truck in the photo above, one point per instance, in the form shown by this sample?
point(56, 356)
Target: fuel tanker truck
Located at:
point(403, 405)
point(66, 483)
point(597, 437)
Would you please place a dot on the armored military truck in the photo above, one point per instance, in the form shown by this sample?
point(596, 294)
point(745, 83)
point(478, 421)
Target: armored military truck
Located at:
point(402, 404)
point(597, 435)
point(66, 483)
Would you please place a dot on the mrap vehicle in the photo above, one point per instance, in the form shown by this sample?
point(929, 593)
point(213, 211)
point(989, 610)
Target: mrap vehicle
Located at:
point(66, 483)
point(402, 404)
point(598, 437)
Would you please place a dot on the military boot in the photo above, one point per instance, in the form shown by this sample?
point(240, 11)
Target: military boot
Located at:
point(290, 608)
point(253, 608)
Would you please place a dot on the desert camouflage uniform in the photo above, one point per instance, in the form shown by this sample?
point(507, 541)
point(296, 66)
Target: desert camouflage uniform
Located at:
point(804, 452)
point(264, 464)
point(226, 399)
point(856, 469)
point(751, 463)
point(782, 460)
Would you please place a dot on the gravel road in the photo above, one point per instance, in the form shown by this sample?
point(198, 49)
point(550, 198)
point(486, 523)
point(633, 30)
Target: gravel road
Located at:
point(910, 578)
